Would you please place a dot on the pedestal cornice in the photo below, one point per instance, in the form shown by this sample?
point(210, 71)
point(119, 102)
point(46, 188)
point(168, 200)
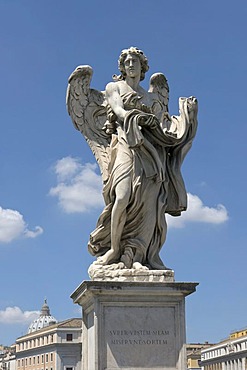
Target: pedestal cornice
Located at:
point(87, 288)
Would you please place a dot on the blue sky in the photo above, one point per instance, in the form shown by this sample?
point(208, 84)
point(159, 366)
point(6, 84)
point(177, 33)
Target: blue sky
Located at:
point(49, 182)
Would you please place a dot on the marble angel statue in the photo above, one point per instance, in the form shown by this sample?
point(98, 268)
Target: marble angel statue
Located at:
point(140, 149)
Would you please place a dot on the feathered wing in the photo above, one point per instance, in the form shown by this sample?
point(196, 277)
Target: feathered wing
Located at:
point(158, 85)
point(87, 109)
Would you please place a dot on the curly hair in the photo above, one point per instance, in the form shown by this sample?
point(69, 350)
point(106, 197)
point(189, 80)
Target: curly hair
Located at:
point(142, 57)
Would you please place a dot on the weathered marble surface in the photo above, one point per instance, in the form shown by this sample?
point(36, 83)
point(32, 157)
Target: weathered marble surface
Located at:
point(113, 273)
point(140, 149)
point(133, 325)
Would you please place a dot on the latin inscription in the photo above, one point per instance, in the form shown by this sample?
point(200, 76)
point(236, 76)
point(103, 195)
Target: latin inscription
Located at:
point(139, 332)
point(138, 337)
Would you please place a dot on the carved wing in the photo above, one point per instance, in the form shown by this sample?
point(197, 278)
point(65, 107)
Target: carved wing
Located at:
point(158, 85)
point(87, 109)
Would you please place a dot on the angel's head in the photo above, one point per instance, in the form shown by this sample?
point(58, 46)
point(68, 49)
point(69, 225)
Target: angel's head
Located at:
point(137, 53)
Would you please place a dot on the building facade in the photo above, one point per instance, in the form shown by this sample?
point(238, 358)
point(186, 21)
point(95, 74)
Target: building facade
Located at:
point(193, 353)
point(50, 345)
point(230, 354)
point(7, 358)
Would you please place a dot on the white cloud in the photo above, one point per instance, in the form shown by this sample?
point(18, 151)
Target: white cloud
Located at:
point(78, 186)
point(67, 167)
point(14, 315)
point(198, 212)
point(13, 226)
point(32, 234)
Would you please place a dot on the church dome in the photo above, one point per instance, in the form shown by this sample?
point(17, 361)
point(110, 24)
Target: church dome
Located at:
point(45, 319)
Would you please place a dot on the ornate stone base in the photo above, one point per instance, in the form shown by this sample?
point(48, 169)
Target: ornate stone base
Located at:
point(133, 325)
point(114, 273)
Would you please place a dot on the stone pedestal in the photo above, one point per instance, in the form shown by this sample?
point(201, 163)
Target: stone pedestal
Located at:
point(133, 325)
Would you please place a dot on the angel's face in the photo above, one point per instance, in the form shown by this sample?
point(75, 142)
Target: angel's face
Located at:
point(132, 65)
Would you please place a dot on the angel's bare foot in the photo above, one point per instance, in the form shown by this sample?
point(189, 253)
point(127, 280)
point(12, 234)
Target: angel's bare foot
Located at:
point(139, 266)
point(116, 266)
point(109, 256)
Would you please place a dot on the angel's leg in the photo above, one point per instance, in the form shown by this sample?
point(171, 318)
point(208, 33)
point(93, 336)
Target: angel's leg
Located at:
point(118, 219)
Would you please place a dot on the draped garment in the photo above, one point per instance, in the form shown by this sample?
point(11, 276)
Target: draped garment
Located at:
point(151, 159)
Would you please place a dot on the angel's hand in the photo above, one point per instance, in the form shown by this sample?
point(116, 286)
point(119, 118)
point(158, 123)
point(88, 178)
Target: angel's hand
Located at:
point(148, 120)
point(109, 128)
point(142, 120)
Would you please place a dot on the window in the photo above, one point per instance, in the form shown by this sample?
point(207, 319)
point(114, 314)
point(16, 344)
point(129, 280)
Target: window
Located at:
point(69, 338)
point(69, 368)
point(42, 359)
point(30, 361)
point(38, 359)
point(34, 360)
point(46, 358)
point(51, 338)
point(19, 363)
point(22, 362)
point(51, 357)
